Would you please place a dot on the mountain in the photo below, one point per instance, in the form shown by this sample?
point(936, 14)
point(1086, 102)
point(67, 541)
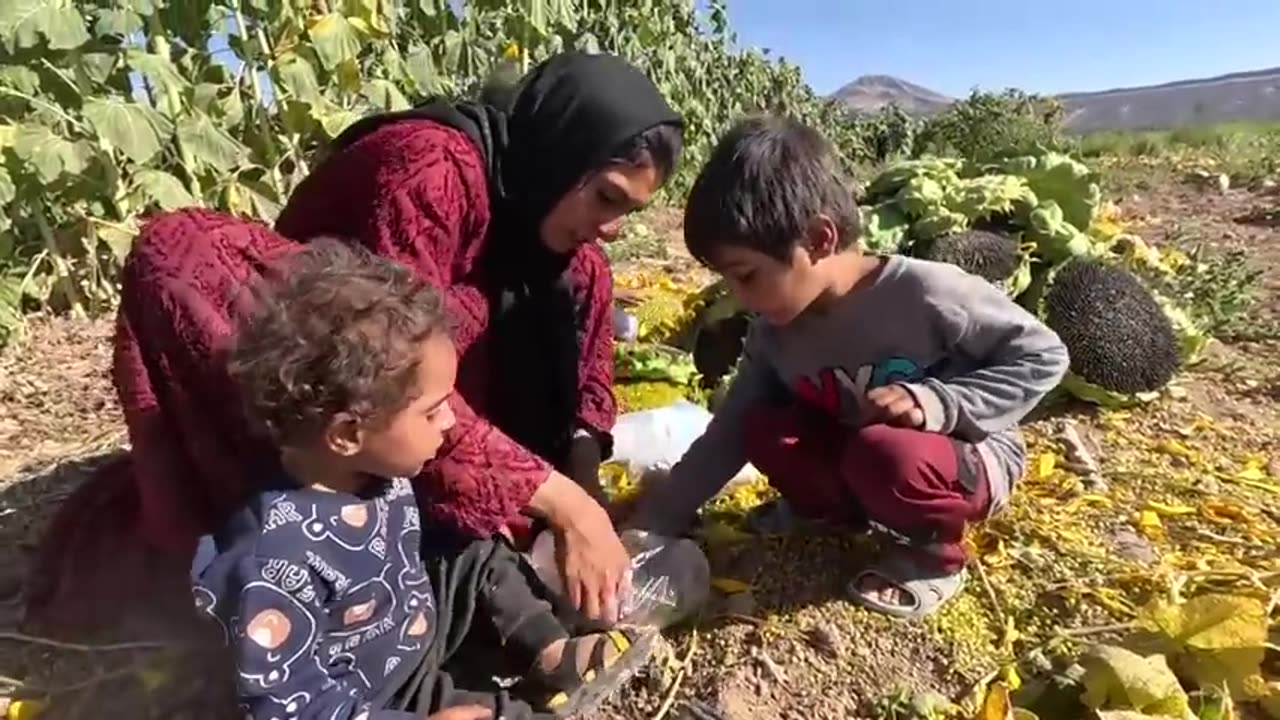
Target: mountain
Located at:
point(1251, 95)
point(871, 92)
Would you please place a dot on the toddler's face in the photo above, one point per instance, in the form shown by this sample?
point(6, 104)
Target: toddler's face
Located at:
point(401, 445)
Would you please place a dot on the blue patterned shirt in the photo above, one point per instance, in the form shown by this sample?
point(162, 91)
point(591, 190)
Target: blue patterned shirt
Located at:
point(325, 597)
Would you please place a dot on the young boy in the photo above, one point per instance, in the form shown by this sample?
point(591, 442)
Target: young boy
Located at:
point(346, 363)
point(878, 389)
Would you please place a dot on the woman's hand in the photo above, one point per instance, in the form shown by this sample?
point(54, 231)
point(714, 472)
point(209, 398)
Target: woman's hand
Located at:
point(593, 562)
point(464, 712)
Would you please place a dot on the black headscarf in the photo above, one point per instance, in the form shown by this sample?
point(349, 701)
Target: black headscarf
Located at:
point(566, 118)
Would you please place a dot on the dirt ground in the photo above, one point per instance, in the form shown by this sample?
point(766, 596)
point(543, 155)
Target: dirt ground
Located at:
point(1069, 559)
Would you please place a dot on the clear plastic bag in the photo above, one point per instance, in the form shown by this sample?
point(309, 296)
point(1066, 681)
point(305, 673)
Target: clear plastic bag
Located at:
point(670, 577)
point(657, 438)
point(654, 440)
point(625, 325)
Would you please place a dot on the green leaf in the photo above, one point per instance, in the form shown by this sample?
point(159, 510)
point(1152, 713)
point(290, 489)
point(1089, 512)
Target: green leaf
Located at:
point(138, 130)
point(19, 78)
point(1119, 679)
point(98, 66)
point(142, 7)
point(1214, 704)
point(335, 38)
point(118, 22)
point(10, 290)
point(1213, 639)
point(232, 109)
point(535, 14)
point(266, 201)
point(422, 68)
point(8, 191)
point(1209, 622)
point(372, 16)
point(161, 188)
point(333, 119)
point(209, 143)
point(63, 27)
point(119, 238)
point(204, 96)
point(395, 69)
point(22, 21)
point(157, 69)
point(50, 154)
point(384, 95)
point(298, 79)
point(191, 20)
point(348, 75)
point(10, 308)
point(298, 117)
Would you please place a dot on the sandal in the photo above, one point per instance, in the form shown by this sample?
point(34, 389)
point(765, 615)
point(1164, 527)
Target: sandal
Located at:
point(582, 688)
point(928, 589)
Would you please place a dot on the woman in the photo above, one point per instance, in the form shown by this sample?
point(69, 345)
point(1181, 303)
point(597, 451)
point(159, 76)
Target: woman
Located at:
point(503, 209)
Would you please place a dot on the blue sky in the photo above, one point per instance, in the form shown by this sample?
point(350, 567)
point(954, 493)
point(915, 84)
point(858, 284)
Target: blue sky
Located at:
point(952, 45)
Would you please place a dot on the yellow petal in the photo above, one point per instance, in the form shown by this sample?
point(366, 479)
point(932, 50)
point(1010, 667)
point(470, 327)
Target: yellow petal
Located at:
point(1012, 677)
point(1149, 524)
point(1252, 473)
point(1175, 449)
point(1045, 464)
point(24, 710)
point(996, 705)
point(1169, 510)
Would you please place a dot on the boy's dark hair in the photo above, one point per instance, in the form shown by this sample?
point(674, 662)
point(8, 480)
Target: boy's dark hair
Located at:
point(765, 182)
point(333, 329)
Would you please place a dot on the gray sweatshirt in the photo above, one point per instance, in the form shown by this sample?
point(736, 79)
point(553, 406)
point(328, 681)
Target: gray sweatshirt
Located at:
point(975, 361)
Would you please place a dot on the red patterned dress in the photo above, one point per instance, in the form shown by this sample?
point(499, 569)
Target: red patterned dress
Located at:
point(424, 199)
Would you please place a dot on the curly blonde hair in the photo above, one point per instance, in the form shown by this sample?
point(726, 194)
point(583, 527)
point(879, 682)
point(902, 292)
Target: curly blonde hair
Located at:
point(333, 329)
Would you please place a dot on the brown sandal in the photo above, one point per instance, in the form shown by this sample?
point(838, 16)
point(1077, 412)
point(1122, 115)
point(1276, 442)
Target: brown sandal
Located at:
point(579, 688)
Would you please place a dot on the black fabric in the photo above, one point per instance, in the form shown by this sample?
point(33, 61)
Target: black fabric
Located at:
point(583, 465)
point(569, 115)
point(566, 117)
point(484, 585)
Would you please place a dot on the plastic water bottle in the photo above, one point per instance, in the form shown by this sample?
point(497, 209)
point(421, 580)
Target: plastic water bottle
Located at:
point(626, 327)
point(670, 577)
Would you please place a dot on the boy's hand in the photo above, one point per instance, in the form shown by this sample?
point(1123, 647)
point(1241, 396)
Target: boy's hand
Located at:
point(464, 712)
point(892, 405)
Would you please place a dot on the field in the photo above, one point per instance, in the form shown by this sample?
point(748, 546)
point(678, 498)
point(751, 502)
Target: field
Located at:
point(1152, 526)
point(1188, 502)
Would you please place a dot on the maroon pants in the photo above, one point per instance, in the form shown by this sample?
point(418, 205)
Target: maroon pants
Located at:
point(921, 488)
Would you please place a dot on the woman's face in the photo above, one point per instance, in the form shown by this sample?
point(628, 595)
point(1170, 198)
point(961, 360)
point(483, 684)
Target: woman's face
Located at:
point(593, 210)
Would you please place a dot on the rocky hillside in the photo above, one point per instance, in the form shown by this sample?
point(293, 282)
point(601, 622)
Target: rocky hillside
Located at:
point(1240, 96)
point(871, 92)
